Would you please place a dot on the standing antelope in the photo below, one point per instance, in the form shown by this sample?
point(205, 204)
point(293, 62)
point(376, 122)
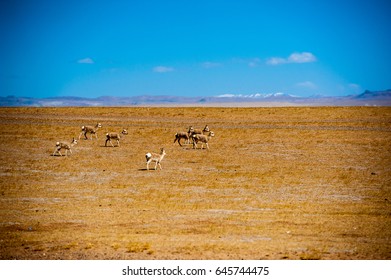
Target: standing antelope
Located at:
point(156, 158)
point(203, 139)
point(64, 145)
point(115, 136)
point(90, 129)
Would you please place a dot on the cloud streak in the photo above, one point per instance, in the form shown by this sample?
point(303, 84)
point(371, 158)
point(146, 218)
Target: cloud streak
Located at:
point(307, 84)
point(254, 62)
point(303, 57)
point(162, 69)
point(209, 64)
point(86, 60)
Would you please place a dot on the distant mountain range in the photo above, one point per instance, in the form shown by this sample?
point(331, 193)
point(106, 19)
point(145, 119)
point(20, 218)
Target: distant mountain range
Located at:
point(367, 98)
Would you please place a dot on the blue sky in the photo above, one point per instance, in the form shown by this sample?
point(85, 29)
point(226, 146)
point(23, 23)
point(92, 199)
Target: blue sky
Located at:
point(193, 48)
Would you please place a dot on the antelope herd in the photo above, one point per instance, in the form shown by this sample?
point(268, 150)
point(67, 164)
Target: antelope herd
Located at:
point(192, 136)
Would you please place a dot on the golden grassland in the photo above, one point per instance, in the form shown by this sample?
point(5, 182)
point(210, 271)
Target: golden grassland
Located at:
point(277, 183)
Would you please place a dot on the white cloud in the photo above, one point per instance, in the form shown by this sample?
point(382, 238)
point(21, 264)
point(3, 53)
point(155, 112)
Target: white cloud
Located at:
point(162, 69)
point(276, 61)
point(86, 60)
point(355, 87)
point(209, 64)
point(350, 88)
point(251, 62)
point(307, 84)
point(254, 62)
point(303, 57)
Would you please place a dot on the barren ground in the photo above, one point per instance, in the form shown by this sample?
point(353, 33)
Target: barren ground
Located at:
point(277, 183)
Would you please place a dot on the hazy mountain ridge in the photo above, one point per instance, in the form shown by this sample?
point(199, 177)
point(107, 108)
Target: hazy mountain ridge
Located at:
point(367, 98)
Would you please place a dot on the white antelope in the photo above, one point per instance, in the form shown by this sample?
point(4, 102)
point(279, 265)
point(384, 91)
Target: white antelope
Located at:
point(204, 139)
point(157, 158)
point(90, 129)
point(64, 145)
point(115, 136)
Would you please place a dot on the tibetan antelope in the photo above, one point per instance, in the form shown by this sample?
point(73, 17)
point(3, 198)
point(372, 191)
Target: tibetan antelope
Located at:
point(182, 135)
point(204, 139)
point(157, 158)
point(90, 129)
point(114, 136)
point(64, 145)
point(192, 131)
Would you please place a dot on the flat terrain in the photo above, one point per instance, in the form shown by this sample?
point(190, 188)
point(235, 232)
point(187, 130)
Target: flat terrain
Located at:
point(277, 183)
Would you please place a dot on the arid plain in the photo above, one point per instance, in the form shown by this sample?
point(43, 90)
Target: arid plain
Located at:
point(277, 183)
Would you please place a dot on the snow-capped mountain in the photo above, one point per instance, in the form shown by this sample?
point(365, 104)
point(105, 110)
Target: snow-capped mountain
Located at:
point(255, 95)
point(368, 98)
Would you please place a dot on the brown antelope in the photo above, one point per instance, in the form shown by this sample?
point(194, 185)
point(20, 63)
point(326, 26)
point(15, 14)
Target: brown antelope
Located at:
point(64, 145)
point(182, 135)
point(203, 139)
point(115, 136)
point(90, 129)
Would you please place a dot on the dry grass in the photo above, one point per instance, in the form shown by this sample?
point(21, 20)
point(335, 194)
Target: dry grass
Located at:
point(277, 183)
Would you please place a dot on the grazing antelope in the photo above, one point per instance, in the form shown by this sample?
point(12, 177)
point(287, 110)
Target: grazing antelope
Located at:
point(90, 129)
point(64, 145)
point(203, 139)
point(115, 136)
point(182, 135)
point(157, 158)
